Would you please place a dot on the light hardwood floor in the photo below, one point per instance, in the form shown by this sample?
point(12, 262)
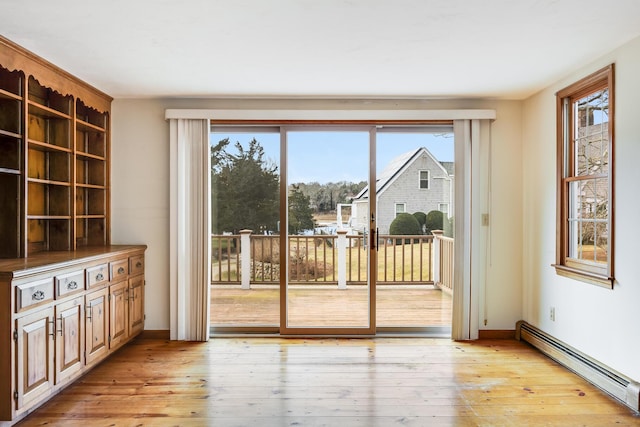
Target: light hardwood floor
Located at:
point(330, 382)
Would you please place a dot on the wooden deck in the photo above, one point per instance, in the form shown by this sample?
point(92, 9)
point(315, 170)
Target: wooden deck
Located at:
point(330, 382)
point(397, 306)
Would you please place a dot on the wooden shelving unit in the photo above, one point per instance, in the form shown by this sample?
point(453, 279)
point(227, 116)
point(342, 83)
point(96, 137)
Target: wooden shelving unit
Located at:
point(11, 160)
point(91, 173)
point(54, 158)
point(69, 298)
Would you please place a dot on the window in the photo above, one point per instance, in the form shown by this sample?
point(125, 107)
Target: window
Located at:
point(444, 208)
point(424, 179)
point(400, 208)
point(585, 179)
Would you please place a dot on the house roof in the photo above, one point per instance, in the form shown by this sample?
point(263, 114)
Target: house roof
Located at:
point(396, 166)
point(449, 167)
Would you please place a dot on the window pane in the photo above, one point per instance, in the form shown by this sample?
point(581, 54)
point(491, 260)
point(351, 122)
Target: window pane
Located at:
point(588, 219)
point(591, 137)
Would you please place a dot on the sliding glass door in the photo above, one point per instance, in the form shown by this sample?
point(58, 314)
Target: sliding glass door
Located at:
point(328, 286)
point(332, 230)
point(245, 213)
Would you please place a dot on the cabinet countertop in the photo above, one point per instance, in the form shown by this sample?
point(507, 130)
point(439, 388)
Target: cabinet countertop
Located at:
point(43, 261)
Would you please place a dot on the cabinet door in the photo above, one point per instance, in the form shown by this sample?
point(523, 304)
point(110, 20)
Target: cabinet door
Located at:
point(96, 326)
point(118, 314)
point(69, 338)
point(136, 305)
point(34, 357)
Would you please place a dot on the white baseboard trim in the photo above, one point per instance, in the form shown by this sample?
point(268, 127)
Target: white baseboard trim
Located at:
point(617, 385)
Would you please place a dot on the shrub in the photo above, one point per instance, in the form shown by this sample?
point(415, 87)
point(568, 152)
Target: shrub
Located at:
point(434, 221)
point(422, 219)
point(448, 227)
point(404, 224)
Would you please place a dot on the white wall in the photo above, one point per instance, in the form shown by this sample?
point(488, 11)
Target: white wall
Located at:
point(140, 191)
point(600, 322)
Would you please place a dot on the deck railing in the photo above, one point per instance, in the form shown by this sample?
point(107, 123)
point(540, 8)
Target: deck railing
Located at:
point(332, 259)
point(443, 261)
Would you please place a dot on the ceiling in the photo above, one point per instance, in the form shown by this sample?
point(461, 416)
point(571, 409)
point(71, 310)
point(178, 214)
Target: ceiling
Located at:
point(320, 48)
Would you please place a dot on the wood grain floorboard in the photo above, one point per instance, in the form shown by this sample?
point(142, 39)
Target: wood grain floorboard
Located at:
point(330, 382)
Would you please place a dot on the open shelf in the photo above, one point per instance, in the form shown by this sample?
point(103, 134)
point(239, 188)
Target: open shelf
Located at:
point(50, 165)
point(50, 234)
point(10, 215)
point(11, 115)
point(48, 100)
point(90, 116)
point(54, 159)
point(90, 201)
point(48, 199)
point(49, 129)
point(10, 158)
point(90, 171)
point(11, 83)
point(91, 231)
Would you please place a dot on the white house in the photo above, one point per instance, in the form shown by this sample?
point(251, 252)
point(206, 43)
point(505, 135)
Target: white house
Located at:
point(414, 181)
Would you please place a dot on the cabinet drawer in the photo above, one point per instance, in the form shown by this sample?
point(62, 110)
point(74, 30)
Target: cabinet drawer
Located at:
point(97, 275)
point(136, 265)
point(119, 270)
point(69, 283)
point(33, 293)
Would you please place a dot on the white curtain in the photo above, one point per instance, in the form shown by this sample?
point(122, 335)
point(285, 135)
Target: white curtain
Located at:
point(472, 201)
point(190, 229)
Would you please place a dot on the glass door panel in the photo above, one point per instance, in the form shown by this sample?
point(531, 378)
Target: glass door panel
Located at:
point(414, 204)
point(245, 213)
point(328, 287)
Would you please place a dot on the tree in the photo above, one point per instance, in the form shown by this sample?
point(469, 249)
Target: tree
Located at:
point(300, 214)
point(244, 189)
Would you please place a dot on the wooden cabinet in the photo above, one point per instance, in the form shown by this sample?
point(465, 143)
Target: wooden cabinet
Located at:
point(118, 314)
point(34, 357)
point(62, 313)
point(69, 339)
point(97, 325)
point(54, 158)
point(136, 304)
point(67, 298)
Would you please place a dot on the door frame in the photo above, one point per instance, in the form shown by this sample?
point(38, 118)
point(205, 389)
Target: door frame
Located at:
point(465, 322)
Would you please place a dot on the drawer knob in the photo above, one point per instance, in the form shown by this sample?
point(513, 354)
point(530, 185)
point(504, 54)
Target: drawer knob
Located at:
point(99, 276)
point(138, 264)
point(121, 270)
point(72, 285)
point(37, 296)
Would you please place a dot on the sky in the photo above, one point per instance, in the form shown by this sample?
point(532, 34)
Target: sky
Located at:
point(340, 156)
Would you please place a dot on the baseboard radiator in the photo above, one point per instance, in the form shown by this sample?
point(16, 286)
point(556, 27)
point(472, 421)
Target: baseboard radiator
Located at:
point(617, 385)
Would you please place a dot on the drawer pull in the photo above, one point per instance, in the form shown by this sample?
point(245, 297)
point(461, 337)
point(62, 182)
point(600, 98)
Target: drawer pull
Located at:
point(38, 296)
point(99, 277)
point(121, 270)
point(72, 285)
point(138, 264)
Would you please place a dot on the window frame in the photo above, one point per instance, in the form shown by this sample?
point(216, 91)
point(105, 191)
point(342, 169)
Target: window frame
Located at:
point(565, 98)
point(395, 208)
point(428, 180)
